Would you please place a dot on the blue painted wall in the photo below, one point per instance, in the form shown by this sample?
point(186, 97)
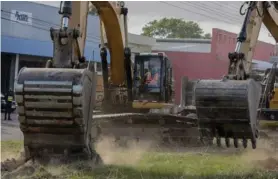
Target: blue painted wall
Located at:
point(41, 48)
point(34, 39)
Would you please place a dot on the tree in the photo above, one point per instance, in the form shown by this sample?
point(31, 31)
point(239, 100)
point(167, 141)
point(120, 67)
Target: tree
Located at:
point(173, 28)
point(207, 36)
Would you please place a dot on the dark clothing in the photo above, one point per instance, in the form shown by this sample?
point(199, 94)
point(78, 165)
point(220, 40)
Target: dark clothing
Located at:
point(8, 111)
point(9, 99)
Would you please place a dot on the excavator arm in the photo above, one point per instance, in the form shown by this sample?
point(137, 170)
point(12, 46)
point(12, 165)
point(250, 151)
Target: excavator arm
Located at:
point(255, 14)
point(228, 108)
point(110, 25)
point(78, 20)
point(113, 27)
point(55, 103)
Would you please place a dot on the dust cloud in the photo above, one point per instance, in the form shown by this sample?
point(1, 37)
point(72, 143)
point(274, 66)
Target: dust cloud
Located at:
point(129, 154)
point(265, 156)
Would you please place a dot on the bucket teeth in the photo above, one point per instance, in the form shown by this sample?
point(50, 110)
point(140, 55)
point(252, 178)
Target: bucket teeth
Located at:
point(228, 109)
point(244, 143)
point(218, 141)
point(209, 141)
point(254, 143)
point(236, 142)
point(227, 141)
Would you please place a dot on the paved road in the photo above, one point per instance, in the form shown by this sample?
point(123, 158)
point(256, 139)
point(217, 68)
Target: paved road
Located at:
point(10, 129)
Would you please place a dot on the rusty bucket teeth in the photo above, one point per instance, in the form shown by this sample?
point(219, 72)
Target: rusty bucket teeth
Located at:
point(228, 109)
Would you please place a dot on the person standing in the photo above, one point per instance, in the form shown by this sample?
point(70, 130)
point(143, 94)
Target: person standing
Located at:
point(9, 100)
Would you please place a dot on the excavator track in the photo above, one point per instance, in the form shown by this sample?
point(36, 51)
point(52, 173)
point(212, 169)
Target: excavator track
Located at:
point(159, 129)
point(228, 109)
point(55, 108)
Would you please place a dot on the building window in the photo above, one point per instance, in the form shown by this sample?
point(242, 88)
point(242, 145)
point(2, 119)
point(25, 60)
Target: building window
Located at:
point(224, 38)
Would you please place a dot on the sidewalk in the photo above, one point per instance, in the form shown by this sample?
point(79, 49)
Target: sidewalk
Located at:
point(10, 129)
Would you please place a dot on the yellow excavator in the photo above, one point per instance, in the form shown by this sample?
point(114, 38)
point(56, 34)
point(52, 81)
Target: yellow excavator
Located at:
point(55, 103)
point(228, 108)
point(269, 98)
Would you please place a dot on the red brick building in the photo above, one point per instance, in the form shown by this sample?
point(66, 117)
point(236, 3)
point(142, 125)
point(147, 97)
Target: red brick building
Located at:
point(205, 59)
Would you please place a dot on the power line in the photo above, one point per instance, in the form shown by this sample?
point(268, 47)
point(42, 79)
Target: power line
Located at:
point(233, 7)
point(203, 15)
point(189, 10)
point(228, 5)
point(215, 12)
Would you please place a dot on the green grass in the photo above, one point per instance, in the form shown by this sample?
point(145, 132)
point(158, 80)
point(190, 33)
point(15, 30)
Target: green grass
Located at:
point(176, 166)
point(120, 172)
point(10, 148)
point(157, 165)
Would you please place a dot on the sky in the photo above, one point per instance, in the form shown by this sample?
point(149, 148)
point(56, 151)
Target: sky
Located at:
point(214, 14)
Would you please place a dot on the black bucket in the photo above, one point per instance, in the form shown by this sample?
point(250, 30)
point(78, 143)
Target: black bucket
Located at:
point(228, 108)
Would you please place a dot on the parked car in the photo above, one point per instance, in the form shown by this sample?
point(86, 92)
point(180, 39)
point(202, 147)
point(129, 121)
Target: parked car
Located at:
point(3, 104)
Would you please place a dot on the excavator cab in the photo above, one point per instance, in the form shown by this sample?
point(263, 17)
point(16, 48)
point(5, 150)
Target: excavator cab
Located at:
point(152, 84)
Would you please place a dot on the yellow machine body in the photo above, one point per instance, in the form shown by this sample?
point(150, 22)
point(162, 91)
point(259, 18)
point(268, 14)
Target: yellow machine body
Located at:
point(273, 104)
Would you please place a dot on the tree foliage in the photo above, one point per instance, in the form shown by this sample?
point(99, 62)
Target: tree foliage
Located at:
point(174, 28)
point(207, 36)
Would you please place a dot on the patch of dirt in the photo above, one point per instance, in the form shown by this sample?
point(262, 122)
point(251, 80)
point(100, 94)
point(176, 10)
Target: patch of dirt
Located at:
point(269, 164)
point(36, 170)
point(265, 156)
point(26, 169)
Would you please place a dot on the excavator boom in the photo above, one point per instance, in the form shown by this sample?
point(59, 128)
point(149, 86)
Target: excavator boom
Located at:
point(228, 108)
point(55, 103)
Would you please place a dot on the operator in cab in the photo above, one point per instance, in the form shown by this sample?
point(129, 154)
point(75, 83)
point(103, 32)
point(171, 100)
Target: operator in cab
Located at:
point(154, 77)
point(9, 100)
point(151, 78)
point(147, 76)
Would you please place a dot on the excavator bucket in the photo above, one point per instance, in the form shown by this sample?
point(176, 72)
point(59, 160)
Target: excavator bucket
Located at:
point(55, 109)
point(228, 109)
